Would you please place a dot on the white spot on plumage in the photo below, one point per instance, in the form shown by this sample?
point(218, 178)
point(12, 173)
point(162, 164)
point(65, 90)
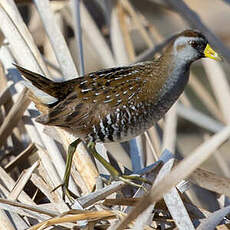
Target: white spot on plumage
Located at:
point(102, 127)
point(131, 87)
point(119, 100)
point(131, 96)
point(86, 90)
point(98, 93)
point(118, 78)
point(133, 107)
point(109, 100)
point(83, 82)
point(109, 121)
point(129, 115)
point(94, 129)
point(118, 116)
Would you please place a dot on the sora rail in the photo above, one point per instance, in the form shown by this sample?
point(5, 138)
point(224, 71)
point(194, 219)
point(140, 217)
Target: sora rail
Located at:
point(117, 104)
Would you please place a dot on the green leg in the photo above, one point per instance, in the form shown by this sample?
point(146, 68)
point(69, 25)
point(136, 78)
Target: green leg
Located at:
point(113, 172)
point(71, 150)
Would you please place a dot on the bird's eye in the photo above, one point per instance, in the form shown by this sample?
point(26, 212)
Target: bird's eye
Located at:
point(194, 44)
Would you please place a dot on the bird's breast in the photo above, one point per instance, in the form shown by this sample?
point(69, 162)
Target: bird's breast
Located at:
point(133, 118)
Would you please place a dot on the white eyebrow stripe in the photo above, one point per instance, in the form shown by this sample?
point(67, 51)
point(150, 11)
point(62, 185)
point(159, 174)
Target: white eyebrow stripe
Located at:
point(183, 40)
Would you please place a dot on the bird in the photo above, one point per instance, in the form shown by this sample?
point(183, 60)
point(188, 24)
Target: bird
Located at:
point(117, 104)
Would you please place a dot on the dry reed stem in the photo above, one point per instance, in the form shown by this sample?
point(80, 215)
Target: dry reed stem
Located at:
point(14, 116)
point(151, 145)
point(65, 61)
point(21, 157)
point(88, 215)
point(56, 39)
point(5, 96)
point(124, 29)
point(121, 201)
point(5, 221)
point(214, 219)
point(44, 188)
point(223, 164)
point(184, 100)
point(41, 185)
point(21, 182)
point(90, 173)
point(205, 97)
point(95, 35)
point(223, 227)
point(170, 134)
point(120, 48)
point(13, 24)
point(220, 160)
point(126, 4)
point(156, 141)
point(177, 210)
point(101, 194)
point(186, 167)
point(198, 118)
point(173, 200)
point(50, 174)
point(86, 167)
point(143, 218)
point(220, 88)
point(76, 13)
point(117, 39)
point(9, 184)
point(106, 55)
point(22, 41)
point(211, 181)
point(19, 207)
point(68, 69)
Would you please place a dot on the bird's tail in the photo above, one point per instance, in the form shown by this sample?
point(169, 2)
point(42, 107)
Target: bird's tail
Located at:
point(42, 91)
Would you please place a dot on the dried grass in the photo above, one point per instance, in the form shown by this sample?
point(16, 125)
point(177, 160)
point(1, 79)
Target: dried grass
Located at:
point(33, 158)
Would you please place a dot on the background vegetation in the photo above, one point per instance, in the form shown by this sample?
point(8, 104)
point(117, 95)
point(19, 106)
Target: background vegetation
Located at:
point(64, 39)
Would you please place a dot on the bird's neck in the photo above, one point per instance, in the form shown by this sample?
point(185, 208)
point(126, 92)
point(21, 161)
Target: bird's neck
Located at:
point(175, 79)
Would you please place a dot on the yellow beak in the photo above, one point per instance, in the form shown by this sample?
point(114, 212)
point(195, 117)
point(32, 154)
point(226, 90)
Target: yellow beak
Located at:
point(210, 53)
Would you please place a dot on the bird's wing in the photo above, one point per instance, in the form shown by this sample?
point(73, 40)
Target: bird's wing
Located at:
point(98, 94)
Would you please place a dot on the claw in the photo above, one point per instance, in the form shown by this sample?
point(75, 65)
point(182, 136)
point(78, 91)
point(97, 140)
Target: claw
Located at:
point(115, 175)
point(66, 192)
point(130, 181)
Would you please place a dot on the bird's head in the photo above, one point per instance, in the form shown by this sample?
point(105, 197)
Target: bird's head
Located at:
point(191, 45)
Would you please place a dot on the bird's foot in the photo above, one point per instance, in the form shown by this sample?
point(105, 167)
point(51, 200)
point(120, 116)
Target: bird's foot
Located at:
point(115, 175)
point(66, 192)
point(133, 180)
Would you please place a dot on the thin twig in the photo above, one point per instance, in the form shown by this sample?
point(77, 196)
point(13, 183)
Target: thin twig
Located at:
point(78, 33)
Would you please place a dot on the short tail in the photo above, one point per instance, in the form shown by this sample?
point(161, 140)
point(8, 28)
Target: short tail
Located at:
point(42, 91)
point(50, 87)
